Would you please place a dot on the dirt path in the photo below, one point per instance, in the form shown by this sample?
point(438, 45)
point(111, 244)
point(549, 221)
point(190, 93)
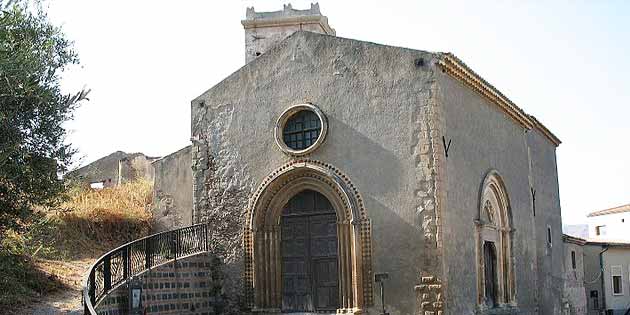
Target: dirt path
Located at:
point(66, 300)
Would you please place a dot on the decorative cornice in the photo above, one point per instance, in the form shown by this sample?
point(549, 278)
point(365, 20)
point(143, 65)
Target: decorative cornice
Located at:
point(545, 131)
point(454, 67)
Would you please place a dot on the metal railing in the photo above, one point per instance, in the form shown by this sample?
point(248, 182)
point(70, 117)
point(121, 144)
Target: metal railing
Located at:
point(117, 266)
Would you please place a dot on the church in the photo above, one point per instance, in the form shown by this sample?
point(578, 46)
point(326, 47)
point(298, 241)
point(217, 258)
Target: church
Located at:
point(343, 176)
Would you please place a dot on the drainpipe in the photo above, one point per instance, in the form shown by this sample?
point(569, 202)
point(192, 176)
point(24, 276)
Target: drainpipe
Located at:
point(601, 268)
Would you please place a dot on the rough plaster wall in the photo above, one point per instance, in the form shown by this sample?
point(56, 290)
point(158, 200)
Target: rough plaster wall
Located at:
point(221, 186)
point(550, 258)
point(370, 95)
point(592, 276)
point(483, 138)
point(574, 290)
point(172, 191)
point(135, 166)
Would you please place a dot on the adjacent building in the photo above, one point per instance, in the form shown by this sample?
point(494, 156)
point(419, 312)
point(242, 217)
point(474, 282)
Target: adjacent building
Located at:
point(607, 277)
point(574, 290)
point(610, 224)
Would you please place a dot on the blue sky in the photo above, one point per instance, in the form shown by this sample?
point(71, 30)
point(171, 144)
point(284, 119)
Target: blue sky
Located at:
point(566, 62)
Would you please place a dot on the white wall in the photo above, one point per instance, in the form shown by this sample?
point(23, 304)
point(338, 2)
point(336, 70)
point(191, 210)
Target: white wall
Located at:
point(617, 227)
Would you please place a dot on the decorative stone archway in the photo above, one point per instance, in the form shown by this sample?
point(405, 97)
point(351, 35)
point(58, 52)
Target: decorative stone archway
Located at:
point(262, 235)
point(494, 228)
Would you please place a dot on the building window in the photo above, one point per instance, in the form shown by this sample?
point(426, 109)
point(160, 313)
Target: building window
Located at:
point(300, 129)
point(494, 244)
point(573, 264)
point(549, 238)
point(600, 230)
point(616, 280)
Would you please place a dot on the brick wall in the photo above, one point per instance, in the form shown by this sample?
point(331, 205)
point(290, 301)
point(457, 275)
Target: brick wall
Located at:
point(189, 286)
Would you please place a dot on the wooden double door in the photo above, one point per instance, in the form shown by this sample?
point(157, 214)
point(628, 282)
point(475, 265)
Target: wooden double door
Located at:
point(309, 254)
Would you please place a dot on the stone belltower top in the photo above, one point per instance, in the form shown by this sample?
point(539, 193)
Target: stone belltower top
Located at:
point(264, 29)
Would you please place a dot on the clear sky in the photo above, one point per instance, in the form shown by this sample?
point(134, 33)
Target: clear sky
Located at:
point(566, 62)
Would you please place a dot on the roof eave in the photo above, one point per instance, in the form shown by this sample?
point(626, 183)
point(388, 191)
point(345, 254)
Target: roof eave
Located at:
point(454, 67)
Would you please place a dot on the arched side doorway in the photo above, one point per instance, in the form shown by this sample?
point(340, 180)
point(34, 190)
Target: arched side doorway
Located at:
point(266, 234)
point(495, 274)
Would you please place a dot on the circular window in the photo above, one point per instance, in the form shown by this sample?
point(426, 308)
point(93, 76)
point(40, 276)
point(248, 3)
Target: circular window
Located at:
point(300, 129)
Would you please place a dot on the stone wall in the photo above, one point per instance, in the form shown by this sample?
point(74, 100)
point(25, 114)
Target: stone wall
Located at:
point(352, 82)
point(104, 170)
point(172, 191)
point(135, 166)
point(574, 291)
point(192, 285)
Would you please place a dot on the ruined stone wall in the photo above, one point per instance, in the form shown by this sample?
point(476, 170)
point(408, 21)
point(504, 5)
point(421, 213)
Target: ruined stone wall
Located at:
point(192, 285)
point(103, 170)
point(114, 169)
point(135, 166)
point(377, 100)
point(172, 191)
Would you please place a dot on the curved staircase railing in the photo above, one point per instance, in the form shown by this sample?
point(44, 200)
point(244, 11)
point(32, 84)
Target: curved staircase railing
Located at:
point(117, 266)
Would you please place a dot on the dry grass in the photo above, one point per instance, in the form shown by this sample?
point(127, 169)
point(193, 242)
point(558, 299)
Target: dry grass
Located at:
point(107, 217)
point(59, 244)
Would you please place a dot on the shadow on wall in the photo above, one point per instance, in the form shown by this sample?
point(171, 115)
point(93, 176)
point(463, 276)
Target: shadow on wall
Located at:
point(397, 250)
point(363, 159)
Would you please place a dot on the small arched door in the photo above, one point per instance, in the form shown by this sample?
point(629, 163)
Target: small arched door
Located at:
point(309, 254)
point(490, 273)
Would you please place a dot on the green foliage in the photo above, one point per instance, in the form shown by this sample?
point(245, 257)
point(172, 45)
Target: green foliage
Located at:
point(33, 53)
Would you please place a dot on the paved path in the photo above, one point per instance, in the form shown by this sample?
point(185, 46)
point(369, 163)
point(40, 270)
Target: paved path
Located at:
point(67, 300)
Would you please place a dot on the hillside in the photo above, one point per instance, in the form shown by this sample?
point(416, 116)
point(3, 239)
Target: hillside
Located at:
point(42, 265)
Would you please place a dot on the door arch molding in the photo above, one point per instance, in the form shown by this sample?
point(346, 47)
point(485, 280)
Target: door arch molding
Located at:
point(262, 235)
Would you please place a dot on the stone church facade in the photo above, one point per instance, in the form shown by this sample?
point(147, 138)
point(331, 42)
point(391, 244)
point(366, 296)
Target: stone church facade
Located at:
point(325, 161)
